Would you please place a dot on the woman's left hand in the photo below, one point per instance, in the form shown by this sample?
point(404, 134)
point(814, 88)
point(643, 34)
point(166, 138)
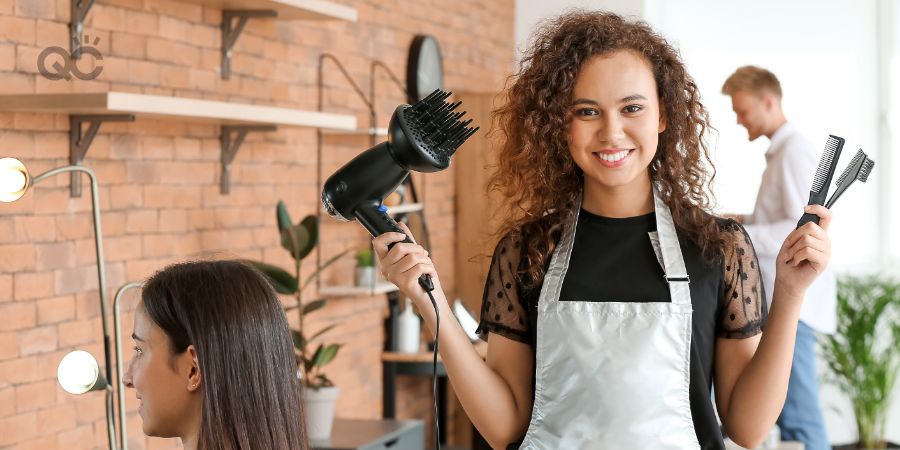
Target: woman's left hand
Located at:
point(804, 254)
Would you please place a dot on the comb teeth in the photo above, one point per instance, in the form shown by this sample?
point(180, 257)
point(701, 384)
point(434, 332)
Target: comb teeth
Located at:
point(848, 171)
point(832, 146)
point(865, 170)
point(438, 124)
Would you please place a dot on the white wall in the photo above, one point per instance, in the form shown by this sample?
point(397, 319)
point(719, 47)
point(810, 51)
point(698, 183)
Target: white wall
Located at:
point(530, 12)
point(826, 55)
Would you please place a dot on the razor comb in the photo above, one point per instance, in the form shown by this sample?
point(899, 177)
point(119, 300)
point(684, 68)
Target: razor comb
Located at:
point(819, 191)
point(859, 169)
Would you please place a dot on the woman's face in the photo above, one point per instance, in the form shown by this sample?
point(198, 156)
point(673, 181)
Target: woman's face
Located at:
point(616, 121)
point(167, 385)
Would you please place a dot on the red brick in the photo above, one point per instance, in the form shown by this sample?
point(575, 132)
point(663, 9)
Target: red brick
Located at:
point(7, 57)
point(45, 9)
point(15, 83)
point(8, 348)
point(32, 285)
point(57, 255)
point(18, 371)
point(182, 10)
point(158, 245)
point(6, 287)
point(18, 428)
point(140, 22)
point(79, 279)
point(57, 309)
point(41, 443)
point(72, 334)
point(107, 18)
point(126, 196)
point(17, 29)
point(55, 419)
point(7, 401)
point(34, 396)
point(17, 257)
point(27, 59)
point(143, 72)
point(141, 221)
point(76, 226)
point(37, 340)
point(17, 316)
point(173, 220)
point(79, 438)
point(128, 45)
point(35, 228)
point(122, 248)
point(49, 33)
point(157, 147)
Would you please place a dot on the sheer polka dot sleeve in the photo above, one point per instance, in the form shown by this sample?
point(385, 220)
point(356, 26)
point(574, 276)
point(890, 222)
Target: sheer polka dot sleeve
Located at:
point(502, 310)
point(745, 311)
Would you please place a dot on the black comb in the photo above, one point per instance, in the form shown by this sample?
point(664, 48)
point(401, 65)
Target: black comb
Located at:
point(819, 191)
point(434, 127)
point(859, 169)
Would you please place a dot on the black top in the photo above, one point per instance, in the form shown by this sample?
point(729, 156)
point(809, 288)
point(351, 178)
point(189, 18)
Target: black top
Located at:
point(613, 260)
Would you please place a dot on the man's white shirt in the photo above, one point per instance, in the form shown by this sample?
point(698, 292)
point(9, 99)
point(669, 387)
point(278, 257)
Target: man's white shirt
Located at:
point(791, 162)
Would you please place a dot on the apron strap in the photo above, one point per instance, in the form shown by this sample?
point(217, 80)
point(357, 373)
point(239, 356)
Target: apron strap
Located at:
point(670, 251)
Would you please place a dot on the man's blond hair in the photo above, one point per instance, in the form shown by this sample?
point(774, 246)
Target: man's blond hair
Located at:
point(752, 79)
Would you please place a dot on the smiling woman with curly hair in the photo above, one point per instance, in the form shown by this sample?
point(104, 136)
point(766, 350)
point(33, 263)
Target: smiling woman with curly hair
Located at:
point(615, 298)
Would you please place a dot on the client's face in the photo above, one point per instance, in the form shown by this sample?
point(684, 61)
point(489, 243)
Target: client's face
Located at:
point(169, 397)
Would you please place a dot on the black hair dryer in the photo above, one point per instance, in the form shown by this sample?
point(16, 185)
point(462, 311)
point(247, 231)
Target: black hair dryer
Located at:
point(421, 137)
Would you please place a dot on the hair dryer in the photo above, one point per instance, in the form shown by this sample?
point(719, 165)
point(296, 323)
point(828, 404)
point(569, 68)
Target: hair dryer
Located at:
point(421, 137)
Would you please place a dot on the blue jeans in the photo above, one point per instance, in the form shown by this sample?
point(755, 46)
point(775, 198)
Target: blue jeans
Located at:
point(801, 419)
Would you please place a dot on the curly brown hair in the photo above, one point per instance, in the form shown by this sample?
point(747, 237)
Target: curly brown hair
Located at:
point(535, 173)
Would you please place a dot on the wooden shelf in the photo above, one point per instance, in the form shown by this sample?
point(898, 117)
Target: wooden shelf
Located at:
point(357, 132)
point(154, 106)
point(405, 208)
point(381, 287)
point(290, 9)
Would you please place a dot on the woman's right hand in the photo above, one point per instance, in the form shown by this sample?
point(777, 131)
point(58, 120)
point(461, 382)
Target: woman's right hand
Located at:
point(404, 263)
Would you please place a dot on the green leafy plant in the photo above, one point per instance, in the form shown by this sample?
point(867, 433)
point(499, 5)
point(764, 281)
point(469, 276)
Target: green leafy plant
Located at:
point(863, 356)
point(300, 240)
point(365, 258)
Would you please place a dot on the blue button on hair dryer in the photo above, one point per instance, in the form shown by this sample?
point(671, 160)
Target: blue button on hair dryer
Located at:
point(421, 137)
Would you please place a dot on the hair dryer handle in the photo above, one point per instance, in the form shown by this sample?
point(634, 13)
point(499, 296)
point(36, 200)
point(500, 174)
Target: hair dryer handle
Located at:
point(375, 219)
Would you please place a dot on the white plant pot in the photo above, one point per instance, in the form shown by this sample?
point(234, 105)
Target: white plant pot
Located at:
point(318, 408)
point(365, 276)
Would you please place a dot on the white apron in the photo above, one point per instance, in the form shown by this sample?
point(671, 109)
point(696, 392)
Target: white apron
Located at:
point(613, 375)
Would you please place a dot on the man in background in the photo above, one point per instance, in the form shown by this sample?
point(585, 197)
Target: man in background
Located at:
point(791, 162)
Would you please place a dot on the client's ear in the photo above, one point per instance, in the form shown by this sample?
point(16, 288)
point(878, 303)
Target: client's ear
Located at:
point(194, 377)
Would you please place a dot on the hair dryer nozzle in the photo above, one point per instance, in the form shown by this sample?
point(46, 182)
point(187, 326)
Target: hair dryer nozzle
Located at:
point(425, 135)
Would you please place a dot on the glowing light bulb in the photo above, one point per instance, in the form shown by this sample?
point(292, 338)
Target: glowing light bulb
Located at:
point(13, 179)
point(78, 373)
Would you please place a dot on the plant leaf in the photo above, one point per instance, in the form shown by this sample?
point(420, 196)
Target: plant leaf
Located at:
point(325, 356)
point(310, 362)
point(283, 282)
point(314, 305)
point(322, 331)
point(298, 339)
point(310, 225)
point(283, 219)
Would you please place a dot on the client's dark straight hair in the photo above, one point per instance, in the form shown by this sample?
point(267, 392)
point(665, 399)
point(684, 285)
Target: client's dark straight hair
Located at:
point(232, 316)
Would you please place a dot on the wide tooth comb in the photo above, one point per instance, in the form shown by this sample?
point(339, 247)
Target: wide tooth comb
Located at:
point(819, 191)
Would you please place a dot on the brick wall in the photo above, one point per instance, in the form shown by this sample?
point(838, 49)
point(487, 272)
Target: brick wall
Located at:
point(159, 181)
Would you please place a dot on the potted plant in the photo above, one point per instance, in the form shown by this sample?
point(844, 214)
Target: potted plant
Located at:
point(862, 355)
point(318, 392)
point(365, 267)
